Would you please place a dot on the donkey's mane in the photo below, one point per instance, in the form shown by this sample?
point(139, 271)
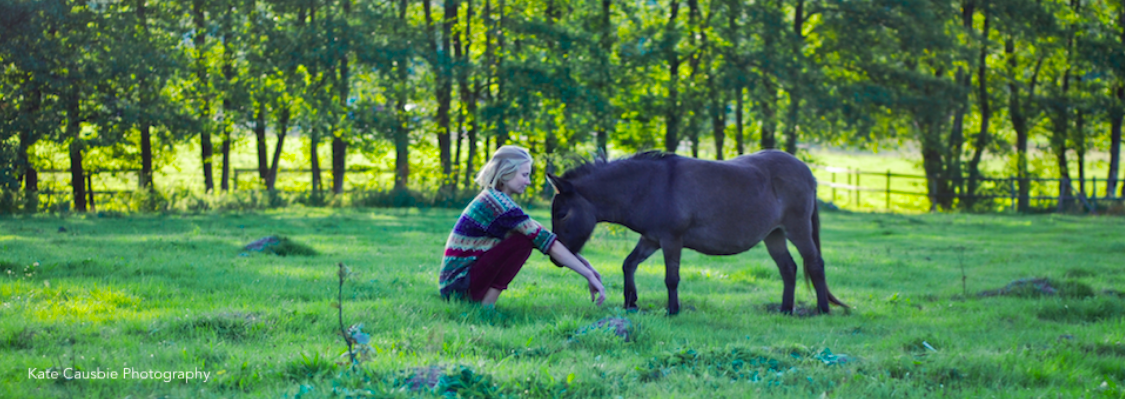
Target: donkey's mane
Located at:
point(600, 162)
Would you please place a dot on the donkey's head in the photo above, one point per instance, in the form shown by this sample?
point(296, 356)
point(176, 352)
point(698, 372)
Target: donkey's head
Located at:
point(573, 217)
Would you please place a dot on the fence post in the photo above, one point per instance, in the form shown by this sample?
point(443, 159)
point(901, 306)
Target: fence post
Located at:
point(1094, 188)
point(857, 189)
point(933, 194)
point(235, 180)
point(833, 187)
point(1062, 197)
point(849, 185)
point(888, 190)
point(1012, 192)
point(90, 190)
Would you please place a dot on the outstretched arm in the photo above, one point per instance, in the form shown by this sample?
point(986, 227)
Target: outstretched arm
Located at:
point(574, 262)
point(587, 263)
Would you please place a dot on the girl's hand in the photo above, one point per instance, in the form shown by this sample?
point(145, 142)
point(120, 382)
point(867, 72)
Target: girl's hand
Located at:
point(597, 291)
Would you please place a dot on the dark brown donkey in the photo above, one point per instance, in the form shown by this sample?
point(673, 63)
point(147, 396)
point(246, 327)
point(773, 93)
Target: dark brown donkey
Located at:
point(714, 207)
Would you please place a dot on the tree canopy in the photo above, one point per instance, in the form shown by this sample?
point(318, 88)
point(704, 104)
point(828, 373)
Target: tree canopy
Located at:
point(439, 84)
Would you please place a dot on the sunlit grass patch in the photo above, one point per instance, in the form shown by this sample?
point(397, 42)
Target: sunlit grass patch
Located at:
point(65, 301)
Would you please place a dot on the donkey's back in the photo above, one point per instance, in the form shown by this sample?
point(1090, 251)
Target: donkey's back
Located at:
point(730, 206)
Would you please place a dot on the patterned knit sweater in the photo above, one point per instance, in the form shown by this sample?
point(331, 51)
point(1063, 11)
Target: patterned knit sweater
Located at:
point(483, 224)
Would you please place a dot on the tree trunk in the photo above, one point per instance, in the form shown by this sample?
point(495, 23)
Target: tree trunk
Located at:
point(769, 120)
point(206, 150)
point(718, 121)
point(502, 122)
point(228, 111)
point(339, 165)
point(982, 139)
point(314, 162)
point(957, 135)
point(29, 176)
point(145, 97)
point(260, 136)
point(672, 107)
point(739, 140)
point(1080, 149)
point(1115, 119)
point(693, 133)
point(1019, 116)
point(146, 181)
point(442, 67)
point(224, 182)
point(73, 128)
point(1061, 131)
point(550, 144)
point(402, 147)
point(467, 90)
point(793, 117)
point(732, 25)
point(471, 155)
point(401, 133)
point(315, 131)
point(937, 182)
point(605, 42)
point(282, 131)
point(1116, 112)
point(693, 95)
point(339, 145)
point(1059, 135)
point(26, 171)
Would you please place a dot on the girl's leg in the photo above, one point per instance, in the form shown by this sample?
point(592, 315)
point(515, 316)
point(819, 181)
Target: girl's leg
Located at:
point(497, 267)
point(491, 296)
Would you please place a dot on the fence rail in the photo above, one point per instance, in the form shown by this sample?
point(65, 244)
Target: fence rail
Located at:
point(855, 183)
point(92, 194)
point(995, 188)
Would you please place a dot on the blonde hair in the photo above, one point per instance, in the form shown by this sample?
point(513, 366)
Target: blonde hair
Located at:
point(503, 166)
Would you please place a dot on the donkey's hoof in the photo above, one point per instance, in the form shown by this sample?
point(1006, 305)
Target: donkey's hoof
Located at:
point(632, 309)
point(800, 310)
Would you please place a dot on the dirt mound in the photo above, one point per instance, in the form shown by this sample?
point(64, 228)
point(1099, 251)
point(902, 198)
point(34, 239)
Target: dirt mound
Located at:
point(620, 327)
point(281, 246)
point(1036, 287)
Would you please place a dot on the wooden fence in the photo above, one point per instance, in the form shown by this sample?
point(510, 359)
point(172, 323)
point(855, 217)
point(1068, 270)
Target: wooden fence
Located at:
point(92, 194)
point(880, 184)
point(351, 170)
point(854, 183)
point(91, 198)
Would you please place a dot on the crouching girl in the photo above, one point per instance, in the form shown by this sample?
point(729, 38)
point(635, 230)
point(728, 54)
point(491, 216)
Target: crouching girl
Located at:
point(493, 238)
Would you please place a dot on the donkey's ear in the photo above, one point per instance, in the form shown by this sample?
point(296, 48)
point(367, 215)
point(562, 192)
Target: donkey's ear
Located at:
point(561, 186)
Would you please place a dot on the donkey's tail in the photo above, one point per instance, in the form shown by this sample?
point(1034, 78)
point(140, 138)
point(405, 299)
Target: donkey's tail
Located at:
point(816, 240)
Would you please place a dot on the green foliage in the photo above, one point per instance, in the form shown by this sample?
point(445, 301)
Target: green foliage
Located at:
point(403, 88)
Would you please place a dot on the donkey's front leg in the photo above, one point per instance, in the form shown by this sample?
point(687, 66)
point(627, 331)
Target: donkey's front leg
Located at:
point(642, 251)
point(779, 251)
point(672, 249)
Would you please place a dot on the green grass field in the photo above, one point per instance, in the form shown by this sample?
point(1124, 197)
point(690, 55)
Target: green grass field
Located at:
point(173, 293)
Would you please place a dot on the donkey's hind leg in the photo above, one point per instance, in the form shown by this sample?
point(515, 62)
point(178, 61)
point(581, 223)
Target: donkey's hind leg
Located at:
point(801, 234)
point(775, 244)
point(644, 249)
